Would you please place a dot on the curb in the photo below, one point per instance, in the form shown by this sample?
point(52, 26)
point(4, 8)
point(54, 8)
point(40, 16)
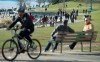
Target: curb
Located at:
point(50, 53)
point(75, 52)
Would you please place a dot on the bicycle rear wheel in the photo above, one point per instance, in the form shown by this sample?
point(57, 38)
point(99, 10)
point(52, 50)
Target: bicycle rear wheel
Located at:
point(9, 50)
point(34, 51)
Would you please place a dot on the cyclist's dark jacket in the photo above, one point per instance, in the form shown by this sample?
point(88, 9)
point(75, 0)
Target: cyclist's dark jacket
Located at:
point(25, 21)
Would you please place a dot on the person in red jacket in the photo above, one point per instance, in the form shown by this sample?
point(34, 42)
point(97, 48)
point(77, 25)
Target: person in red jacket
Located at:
point(31, 17)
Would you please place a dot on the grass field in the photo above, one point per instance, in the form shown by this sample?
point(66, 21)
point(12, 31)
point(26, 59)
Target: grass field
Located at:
point(70, 5)
point(43, 34)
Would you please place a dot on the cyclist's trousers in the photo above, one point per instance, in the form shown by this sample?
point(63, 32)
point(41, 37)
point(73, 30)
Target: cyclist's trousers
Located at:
point(25, 33)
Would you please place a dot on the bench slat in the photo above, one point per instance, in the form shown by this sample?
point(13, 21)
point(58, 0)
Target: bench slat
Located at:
point(64, 37)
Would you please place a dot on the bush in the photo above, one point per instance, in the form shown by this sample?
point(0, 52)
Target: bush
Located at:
point(5, 23)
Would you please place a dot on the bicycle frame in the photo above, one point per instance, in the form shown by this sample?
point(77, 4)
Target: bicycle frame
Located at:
point(33, 50)
point(15, 36)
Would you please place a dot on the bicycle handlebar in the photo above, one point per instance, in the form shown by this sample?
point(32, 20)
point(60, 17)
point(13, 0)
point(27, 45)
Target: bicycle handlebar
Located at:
point(14, 28)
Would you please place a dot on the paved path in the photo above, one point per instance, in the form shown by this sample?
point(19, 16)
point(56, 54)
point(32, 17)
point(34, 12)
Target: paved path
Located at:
point(66, 56)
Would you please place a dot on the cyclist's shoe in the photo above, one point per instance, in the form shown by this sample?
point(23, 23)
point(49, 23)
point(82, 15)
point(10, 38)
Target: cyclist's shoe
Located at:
point(33, 47)
point(22, 51)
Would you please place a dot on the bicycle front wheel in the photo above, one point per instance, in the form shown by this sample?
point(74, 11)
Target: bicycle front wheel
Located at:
point(9, 50)
point(34, 50)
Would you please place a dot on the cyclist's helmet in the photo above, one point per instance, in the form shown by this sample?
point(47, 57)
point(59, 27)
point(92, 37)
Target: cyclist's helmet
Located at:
point(21, 9)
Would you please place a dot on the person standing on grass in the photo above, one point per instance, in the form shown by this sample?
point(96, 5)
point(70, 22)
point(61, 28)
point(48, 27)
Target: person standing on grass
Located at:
point(44, 20)
point(31, 17)
point(56, 17)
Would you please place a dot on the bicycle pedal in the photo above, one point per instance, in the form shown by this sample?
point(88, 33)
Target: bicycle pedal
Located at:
point(21, 51)
point(18, 52)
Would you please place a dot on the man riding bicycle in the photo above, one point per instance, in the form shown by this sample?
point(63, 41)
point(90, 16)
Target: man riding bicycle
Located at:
point(27, 26)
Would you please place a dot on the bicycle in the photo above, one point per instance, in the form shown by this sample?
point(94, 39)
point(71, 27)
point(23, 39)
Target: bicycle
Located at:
point(11, 49)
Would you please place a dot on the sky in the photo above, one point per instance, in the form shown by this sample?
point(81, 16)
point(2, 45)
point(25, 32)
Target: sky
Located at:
point(13, 0)
point(8, 0)
point(12, 3)
point(16, 0)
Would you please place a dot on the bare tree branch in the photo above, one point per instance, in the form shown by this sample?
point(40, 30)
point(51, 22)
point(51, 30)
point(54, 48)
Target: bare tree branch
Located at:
point(40, 1)
point(23, 3)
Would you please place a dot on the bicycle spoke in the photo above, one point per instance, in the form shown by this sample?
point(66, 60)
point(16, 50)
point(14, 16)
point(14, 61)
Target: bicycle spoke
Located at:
point(9, 50)
point(34, 50)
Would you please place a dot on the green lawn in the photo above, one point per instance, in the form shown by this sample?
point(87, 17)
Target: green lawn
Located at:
point(70, 5)
point(43, 34)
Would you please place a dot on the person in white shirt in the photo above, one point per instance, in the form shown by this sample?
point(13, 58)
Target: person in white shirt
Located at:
point(88, 28)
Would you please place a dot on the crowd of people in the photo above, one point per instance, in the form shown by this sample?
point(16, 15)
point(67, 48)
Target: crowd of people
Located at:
point(45, 20)
point(55, 19)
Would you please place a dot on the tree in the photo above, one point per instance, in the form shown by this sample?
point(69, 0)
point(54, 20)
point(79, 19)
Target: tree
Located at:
point(22, 3)
point(39, 2)
point(28, 2)
point(50, 1)
point(53, 1)
point(44, 2)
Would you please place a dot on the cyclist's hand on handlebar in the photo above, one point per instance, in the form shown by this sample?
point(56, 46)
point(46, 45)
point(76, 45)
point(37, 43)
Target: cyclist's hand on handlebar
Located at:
point(18, 27)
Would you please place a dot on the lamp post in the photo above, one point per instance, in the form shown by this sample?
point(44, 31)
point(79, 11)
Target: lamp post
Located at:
point(63, 5)
point(59, 4)
point(91, 4)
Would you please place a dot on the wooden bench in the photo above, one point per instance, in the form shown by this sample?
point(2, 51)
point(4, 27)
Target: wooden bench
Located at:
point(63, 37)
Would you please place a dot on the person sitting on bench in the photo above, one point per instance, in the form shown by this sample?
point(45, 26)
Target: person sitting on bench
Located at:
point(88, 27)
point(62, 27)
